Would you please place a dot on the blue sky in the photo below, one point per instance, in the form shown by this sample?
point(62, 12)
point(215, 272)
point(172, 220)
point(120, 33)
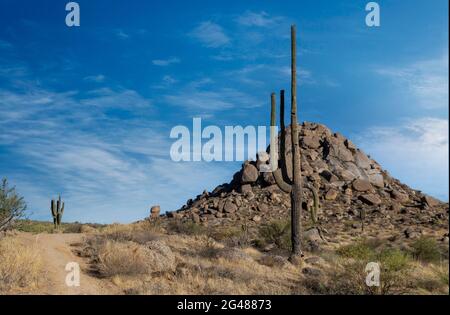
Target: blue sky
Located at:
point(87, 111)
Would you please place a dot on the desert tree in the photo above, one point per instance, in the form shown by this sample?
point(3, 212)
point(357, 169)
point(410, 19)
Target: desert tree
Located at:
point(12, 206)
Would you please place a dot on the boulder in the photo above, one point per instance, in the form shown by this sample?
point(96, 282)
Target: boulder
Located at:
point(155, 211)
point(312, 142)
point(430, 201)
point(312, 235)
point(399, 196)
point(229, 207)
point(330, 177)
point(376, 179)
point(362, 161)
point(370, 199)
point(249, 174)
point(361, 185)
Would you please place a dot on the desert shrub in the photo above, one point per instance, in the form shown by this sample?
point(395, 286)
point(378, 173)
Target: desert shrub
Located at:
point(208, 248)
point(129, 258)
point(348, 275)
point(20, 266)
point(224, 233)
point(129, 233)
point(426, 249)
point(186, 227)
point(12, 206)
point(34, 227)
point(442, 274)
point(359, 251)
point(276, 232)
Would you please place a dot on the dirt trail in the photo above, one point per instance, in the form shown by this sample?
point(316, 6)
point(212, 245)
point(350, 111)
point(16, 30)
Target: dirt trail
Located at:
point(56, 251)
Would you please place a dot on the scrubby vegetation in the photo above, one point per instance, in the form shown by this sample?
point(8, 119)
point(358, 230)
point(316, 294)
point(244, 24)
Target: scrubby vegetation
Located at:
point(20, 265)
point(12, 206)
point(426, 249)
point(144, 258)
point(36, 227)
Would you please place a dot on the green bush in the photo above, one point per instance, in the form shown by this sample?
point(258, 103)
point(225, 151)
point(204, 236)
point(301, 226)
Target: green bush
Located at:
point(12, 206)
point(426, 249)
point(277, 232)
point(188, 228)
point(349, 274)
point(358, 251)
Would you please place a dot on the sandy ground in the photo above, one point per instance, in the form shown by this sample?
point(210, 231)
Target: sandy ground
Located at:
point(57, 252)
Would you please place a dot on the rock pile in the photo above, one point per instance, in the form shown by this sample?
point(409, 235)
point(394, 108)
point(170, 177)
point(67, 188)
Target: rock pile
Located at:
point(349, 183)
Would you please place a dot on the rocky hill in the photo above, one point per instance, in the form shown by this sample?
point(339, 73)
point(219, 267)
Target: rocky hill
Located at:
point(353, 190)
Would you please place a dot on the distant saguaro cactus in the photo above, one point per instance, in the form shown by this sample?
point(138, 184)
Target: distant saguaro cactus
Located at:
point(294, 186)
point(57, 208)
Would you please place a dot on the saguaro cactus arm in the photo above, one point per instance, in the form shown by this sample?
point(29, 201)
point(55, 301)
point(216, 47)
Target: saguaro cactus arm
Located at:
point(54, 212)
point(277, 174)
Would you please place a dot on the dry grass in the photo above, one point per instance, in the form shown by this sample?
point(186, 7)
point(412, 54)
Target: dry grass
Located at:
point(135, 259)
point(20, 265)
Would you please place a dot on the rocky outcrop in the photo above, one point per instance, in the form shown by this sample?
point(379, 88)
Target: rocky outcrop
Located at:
point(349, 183)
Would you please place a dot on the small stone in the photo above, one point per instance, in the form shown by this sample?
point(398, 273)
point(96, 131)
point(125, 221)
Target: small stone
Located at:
point(331, 194)
point(256, 218)
point(246, 188)
point(263, 207)
point(311, 272)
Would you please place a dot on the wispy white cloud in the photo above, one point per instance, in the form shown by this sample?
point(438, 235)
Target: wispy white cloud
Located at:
point(122, 98)
point(210, 35)
point(259, 19)
point(427, 80)
point(416, 152)
point(121, 34)
point(95, 78)
point(200, 99)
point(165, 62)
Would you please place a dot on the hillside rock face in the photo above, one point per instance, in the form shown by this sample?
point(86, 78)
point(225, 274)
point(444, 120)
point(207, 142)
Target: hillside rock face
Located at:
point(349, 183)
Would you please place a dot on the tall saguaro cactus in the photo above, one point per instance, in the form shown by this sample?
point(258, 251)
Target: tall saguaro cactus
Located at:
point(294, 186)
point(57, 208)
